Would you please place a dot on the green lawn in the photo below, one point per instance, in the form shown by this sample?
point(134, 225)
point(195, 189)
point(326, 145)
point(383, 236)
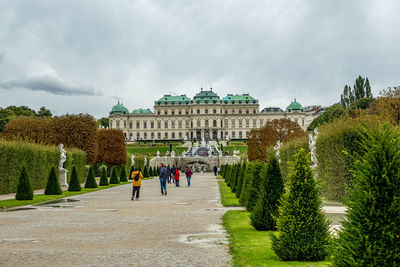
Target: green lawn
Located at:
point(242, 149)
point(9, 203)
point(250, 247)
point(227, 197)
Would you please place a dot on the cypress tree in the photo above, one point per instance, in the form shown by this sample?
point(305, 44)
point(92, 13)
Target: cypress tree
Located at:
point(228, 175)
point(302, 226)
point(370, 234)
point(103, 177)
point(74, 184)
point(272, 187)
point(248, 176)
point(24, 189)
point(151, 172)
point(254, 188)
point(122, 176)
point(53, 184)
point(240, 179)
point(130, 172)
point(90, 179)
point(235, 178)
point(114, 177)
point(145, 171)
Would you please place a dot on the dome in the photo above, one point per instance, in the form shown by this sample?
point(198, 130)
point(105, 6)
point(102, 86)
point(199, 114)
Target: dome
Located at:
point(119, 109)
point(294, 106)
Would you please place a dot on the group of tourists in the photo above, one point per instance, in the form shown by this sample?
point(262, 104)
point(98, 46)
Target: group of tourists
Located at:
point(167, 175)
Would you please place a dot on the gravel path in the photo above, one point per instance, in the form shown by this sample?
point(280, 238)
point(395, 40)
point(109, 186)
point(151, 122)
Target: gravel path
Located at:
point(107, 228)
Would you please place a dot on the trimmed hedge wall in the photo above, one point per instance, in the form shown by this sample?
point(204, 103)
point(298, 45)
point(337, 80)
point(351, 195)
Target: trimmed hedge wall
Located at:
point(38, 160)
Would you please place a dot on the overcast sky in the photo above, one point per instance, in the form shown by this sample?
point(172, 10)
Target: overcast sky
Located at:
point(80, 56)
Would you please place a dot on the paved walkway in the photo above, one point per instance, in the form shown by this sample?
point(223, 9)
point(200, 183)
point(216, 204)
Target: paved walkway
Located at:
point(107, 228)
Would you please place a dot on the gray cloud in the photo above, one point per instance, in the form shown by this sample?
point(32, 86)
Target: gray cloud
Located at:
point(47, 81)
point(2, 56)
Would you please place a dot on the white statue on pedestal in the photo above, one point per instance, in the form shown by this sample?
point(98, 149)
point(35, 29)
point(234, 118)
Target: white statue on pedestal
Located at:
point(312, 141)
point(132, 159)
point(158, 153)
point(277, 147)
point(173, 153)
point(62, 173)
point(145, 161)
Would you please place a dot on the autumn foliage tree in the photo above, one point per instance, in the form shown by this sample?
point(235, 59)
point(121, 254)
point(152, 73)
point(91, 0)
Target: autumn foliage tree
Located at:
point(260, 140)
point(111, 147)
point(388, 105)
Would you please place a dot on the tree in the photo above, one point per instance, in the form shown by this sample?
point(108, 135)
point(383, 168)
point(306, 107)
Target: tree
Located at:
point(103, 177)
point(240, 179)
point(361, 89)
point(74, 184)
point(236, 178)
point(388, 105)
point(114, 177)
point(370, 231)
point(11, 112)
point(44, 112)
point(151, 172)
point(331, 114)
point(24, 189)
point(263, 218)
point(103, 122)
point(122, 176)
point(145, 171)
point(111, 147)
point(260, 140)
point(53, 184)
point(254, 187)
point(90, 180)
point(302, 226)
point(248, 176)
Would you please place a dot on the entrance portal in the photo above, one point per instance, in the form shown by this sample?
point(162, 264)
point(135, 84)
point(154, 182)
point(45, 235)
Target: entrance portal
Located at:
point(215, 135)
point(206, 135)
point(198, 135)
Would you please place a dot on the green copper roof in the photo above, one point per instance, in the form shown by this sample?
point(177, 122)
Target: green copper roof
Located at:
point(244, 98)
point(142, 111)
point(119, 109)
point(206, 95)
point(294, 106)
point(173, 99)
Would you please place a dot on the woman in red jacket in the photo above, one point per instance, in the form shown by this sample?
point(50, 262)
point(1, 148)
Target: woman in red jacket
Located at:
point(176, 177)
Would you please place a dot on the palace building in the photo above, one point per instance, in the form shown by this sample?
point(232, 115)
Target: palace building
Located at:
point(206, 116)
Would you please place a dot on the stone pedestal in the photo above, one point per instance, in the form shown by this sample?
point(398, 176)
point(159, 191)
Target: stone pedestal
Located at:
point(62, 177)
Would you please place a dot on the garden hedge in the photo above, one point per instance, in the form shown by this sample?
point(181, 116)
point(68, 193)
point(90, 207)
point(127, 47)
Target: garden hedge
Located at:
point(38, 159)
point(288, 150)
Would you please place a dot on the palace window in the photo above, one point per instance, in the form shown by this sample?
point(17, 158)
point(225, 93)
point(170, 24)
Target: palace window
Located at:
point(198, 123)
point(117, 124)
point(187, 112)
point(240, 123)
point(166, 124)
point(232, 123)
point(226, 111)
point(206, 123)
point(158, 112)
point(302, 122)
point(240, 111)
point(233, 134)
point(222, 125)
point(214, 111)
point(159, 124)
point(152, 124)
point(180, 135)
point(173, 112)
point(166, 135)
point(165, 112)
point(179, 124)
point(247, 134)
point(226, 134)
point(254, 123)
point(261, 123)
point(206, 111)
point(226, 124)
point(187, 124)
point(191, 124)
point(254, 111)
point(247, 123)
point(247, 111)
point(214, 123)
point(145, 125)
point(198, 111)
point(240, 134)
point(173, 135)
point(159, 135)
point(173, 124)
point(191, 111)
point(130, 125)
point(145, 135)
point(138, 136)
point(111, 124)
point(152, 135)
point(138, 125)
point(180, 112)
point(124, 124)
point(130, 135)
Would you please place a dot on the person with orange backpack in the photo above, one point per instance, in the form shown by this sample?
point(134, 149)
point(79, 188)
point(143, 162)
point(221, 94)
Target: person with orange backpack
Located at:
point(137, 182)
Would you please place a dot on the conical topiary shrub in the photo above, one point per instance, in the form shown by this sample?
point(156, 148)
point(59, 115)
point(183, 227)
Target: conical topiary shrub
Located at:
point(151, 172)
point(235, 178)
point(53, 184)
point(114, 177)
point(74, 184)
point(254, 188)
point(145, 171)
point(90, 180)
point(103, 177)
point(24, 189)
point(302, 226)
point(130, 172)
point(248, 176)
point(122, 176)
point(239, 185)
point(370, 234)
point(271, 190)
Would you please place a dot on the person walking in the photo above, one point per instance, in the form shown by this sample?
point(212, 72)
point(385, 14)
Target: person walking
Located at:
point(172, 177)
point(136, 182)
point(215, 169)
point(169, 171)
point(218, 170)
point(188, 173)
point(164, 175)
point(176, 176)
point(202, 170)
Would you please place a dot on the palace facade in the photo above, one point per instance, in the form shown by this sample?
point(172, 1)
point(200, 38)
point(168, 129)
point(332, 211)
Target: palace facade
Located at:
point(206, 116)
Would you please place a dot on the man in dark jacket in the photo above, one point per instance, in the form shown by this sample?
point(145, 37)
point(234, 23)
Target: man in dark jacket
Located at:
point(172, 174)
point(215, 169)
point(164, 176)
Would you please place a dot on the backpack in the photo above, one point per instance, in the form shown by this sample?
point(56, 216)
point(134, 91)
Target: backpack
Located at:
point(136, 177)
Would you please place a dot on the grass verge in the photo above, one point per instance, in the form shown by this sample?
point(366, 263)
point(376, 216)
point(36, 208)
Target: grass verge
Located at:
point(250, 247)
point(10, 203)
point(227, 197)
